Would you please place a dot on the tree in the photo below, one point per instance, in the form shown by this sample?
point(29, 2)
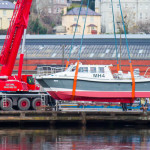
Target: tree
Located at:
point(144, 27)
point(3, 32)
point(36, 27)
point(91, 5)
point(12, 0)
point(129, 21)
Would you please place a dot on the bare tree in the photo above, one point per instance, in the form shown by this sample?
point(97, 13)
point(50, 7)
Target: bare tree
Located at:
point(129, 21)
point(144, 27)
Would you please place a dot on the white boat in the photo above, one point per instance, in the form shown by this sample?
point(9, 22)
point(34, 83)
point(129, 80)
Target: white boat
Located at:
point(95, 83)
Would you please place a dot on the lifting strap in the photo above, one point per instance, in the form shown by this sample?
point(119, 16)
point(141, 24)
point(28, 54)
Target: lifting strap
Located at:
point(115, 35)
point(75, 81)
point(74, 35)
point(77, 67)
point(131, 68)
point(133, 83)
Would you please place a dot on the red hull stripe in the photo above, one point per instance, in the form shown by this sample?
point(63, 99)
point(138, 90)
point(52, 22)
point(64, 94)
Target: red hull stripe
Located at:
point(124, 97)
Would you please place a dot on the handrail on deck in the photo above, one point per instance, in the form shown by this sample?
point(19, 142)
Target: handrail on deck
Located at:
point(48, 70)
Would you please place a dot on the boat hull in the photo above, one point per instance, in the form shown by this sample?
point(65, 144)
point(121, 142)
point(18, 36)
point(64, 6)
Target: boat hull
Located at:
point(123, 97)
point(102, 91)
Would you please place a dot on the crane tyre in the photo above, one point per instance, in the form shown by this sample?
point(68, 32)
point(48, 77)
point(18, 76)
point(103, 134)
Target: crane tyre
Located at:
point(23, 104)
point(36, 103)
point(6, 106)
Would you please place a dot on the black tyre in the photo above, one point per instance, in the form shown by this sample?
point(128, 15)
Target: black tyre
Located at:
point(36, 103)
point(6, 104)
point(23, 104)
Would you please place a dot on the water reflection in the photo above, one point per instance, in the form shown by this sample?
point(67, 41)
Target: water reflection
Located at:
point(75, 139)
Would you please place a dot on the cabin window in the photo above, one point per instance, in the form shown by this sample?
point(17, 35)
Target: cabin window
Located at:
point(73, 69)
point(83, 69)
point(100, 69)
point(30, 80)
point(92, 69)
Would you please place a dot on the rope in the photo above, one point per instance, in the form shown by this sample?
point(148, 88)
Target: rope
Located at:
point(115, 35)
point(125, 31)
point(131, 68)
point(77, 67)
point(74, 35)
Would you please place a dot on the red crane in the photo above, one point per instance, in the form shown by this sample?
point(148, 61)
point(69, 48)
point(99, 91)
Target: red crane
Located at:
point(9, 52)
point(19, 90)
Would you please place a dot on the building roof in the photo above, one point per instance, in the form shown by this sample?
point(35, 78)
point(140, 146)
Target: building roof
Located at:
point(92, 25)
point(94, 46)
point(6, 5)
point(75, 25)
point(75, 11)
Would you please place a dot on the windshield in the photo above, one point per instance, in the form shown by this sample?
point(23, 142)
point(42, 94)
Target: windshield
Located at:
point(30, 80)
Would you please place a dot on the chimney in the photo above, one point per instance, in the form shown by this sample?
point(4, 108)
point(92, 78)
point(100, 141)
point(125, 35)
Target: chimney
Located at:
point(65, 10)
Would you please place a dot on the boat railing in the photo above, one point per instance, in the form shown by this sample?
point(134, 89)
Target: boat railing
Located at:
point(147, 76)
point(47, 70)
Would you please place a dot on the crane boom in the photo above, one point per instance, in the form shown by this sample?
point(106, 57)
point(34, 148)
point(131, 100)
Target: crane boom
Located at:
point(12, 42)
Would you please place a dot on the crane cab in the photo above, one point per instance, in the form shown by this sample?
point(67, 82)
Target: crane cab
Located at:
point(30, 81)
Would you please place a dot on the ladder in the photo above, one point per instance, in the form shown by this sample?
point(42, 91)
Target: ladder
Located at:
point(4, 98)
point(42, 100)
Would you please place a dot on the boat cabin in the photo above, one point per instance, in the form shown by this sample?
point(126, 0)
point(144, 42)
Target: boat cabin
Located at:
point(91, 71)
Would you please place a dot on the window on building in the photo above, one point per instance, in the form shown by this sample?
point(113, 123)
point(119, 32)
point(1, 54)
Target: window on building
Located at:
point(92, 28)
point(146, 16)
point(4, 13)
point(133, 16)
point(83, 19)
point(75, 19)
point(118, 6)
point(57, 10)
point(126, 5)
point(141, 16)
point(9, 19)
point(92, 19)
point(62, 1)
point(49, 10)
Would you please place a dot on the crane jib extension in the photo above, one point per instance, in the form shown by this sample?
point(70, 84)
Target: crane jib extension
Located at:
point(12, 42)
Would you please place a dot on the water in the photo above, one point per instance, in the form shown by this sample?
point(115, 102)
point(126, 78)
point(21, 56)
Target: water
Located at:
point(71, 138)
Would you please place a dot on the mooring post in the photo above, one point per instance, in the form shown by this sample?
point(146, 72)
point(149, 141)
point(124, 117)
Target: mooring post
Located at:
point(83, 118)
point(54, 117)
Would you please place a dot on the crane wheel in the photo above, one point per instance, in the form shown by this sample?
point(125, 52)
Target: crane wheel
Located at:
point(36, 103)
point(23, 104)
point(6, 104)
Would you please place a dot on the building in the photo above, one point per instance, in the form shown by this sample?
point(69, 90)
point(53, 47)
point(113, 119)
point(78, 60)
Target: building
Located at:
point(51, 6)
point(135, 11)
point(50, 50)
point(6, 12)
point(93, 21)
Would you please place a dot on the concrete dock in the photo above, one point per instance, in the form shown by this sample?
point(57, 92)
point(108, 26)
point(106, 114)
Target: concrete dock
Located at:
point(82, 117)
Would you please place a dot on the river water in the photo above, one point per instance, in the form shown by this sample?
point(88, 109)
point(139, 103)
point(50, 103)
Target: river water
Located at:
point(76, 138)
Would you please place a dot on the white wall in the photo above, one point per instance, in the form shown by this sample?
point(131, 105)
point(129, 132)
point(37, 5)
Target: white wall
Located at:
point(139, 8)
